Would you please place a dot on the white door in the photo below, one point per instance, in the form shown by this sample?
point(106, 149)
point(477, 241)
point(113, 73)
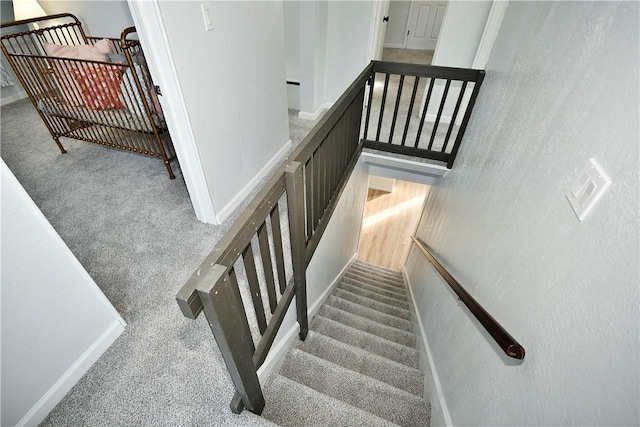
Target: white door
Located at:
point(423, 26)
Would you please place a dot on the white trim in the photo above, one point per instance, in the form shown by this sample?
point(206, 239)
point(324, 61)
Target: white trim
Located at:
point(432, 375)
point(432, 118)
point(312, 116)
point(491, 28)
point(151, 31)
point(54, 395)
point(277, 352)
point(374, 29)
point(228, 209)
point(13, 98)
point(393, 45)
point(412, 165)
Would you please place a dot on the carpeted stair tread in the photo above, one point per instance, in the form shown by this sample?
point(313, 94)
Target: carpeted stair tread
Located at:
point(366, 325)
point(403, 377)
point(291, 404)
point(374, 295)
point(368, 266)
point(376, 278)
point(377, 285)
point(382, 290)
point(370, 313)
point(366, 341)
point(373, 304)
point(397, 277)
point(361, 391)
point(397, 283)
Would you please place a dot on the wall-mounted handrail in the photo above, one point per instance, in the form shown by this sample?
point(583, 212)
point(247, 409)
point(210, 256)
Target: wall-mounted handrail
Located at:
point(507, 343)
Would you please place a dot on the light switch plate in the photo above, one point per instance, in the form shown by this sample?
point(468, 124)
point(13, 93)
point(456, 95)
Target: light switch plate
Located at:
point(207, 15)
point(587, 189)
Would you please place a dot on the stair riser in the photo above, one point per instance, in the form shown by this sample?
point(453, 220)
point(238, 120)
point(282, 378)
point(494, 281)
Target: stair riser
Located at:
point(373, 304)
point(353, 358)
point(390, 350)
point(375, 296)
point(382, 290)
point(371, 314)
point(366, 325)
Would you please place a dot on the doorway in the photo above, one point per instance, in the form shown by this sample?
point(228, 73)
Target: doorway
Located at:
point(391, 214)
point(414, 24)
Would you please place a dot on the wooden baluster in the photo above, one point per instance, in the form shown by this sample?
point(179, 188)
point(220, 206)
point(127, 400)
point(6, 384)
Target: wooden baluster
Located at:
point(295, 202)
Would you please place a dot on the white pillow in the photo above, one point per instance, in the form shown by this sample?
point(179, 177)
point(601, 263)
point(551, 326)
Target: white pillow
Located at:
point(131, 95)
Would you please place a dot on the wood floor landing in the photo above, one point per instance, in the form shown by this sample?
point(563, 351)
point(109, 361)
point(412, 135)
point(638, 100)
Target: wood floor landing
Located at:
point(389, 221)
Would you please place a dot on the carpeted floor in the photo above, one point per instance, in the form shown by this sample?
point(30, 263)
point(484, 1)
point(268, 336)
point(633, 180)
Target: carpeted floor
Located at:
point(135, 232)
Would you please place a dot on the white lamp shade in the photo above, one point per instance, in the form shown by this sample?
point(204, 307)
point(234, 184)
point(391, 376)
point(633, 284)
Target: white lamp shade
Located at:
point(25, 9)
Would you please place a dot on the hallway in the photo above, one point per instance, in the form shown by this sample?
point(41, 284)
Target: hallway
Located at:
point(390, 220)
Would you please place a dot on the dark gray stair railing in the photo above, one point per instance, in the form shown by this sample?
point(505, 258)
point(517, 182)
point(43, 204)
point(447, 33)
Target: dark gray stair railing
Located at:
point(302, 193)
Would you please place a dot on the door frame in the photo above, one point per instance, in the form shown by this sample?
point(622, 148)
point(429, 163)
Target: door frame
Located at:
point(376, 43)
point(153, 38)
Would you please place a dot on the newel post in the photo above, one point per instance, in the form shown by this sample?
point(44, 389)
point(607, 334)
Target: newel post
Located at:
point(295, 203)
point(222, 306)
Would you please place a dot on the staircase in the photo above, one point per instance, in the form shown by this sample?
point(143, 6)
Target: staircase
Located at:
point(358, 365)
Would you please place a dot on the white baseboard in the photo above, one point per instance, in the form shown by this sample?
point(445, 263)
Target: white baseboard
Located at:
point(227, 210)
point(54, 395)
point(5, 100)
point(394, 45)
point(277, 352)
point(439, 411)
point(432, 118)
point(312, 116)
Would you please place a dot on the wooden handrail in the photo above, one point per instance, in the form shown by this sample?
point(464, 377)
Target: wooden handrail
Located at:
point(507, 343)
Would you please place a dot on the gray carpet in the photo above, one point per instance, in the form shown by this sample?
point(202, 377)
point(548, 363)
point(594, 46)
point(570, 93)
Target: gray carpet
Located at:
point(353, 369)
point(135, 232)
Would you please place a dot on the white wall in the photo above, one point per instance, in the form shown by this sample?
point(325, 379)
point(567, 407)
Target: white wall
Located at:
point(291, 11)
point(334, 43)
point(55, 321)
point(99, 18)
point(397, 27)
point(348, 31)
point(460, 34)
point(313, 56)
point(233, 83)
point(562, 86)
point(16, 92)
